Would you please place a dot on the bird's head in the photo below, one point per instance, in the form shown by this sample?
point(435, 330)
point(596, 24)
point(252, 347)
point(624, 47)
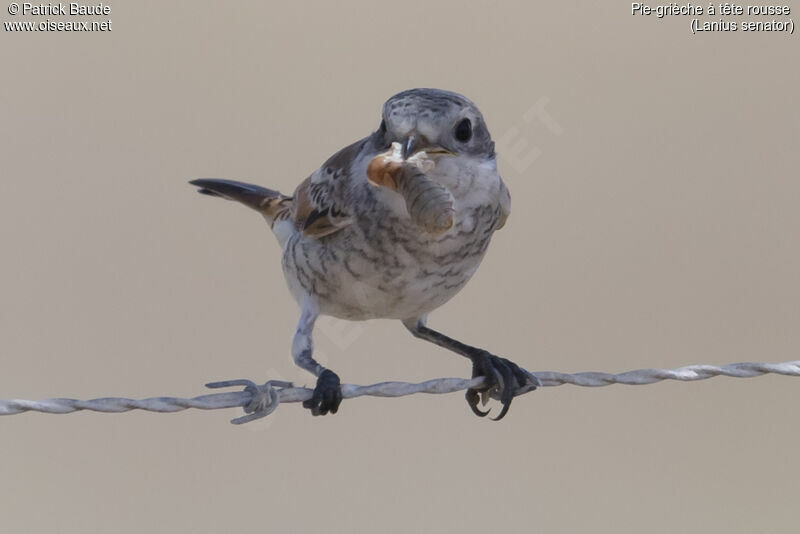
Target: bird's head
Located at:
point(441, 123)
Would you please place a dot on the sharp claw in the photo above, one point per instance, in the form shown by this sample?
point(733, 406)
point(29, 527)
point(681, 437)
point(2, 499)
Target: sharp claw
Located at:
point(477, 411)
point(504, 379)
point(472, 400)
point(503, 412)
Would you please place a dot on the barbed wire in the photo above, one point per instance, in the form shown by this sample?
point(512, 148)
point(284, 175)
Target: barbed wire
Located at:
point(261, 400)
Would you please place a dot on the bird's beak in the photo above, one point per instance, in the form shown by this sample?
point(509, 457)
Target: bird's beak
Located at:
point(417, 143)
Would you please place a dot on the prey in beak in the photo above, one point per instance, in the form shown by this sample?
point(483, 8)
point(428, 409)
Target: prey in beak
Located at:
point(415, 151)
point(416, 143)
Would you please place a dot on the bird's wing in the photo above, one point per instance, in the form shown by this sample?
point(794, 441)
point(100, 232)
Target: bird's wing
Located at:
point(505, 205)
point(319, 206)
point(316, 213)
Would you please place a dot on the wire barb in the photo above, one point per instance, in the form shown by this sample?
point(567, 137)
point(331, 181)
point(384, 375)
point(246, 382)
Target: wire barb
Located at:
point(261, 400)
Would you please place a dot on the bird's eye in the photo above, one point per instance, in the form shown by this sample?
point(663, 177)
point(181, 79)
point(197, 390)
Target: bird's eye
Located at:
point(382, 127)
point(463, 130)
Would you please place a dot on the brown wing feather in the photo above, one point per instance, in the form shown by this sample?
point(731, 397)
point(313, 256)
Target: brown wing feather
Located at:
point(314, 211)
point(319, 203)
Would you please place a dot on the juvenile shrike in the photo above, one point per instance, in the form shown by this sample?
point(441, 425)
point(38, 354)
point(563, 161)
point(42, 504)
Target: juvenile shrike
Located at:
point(392, 226)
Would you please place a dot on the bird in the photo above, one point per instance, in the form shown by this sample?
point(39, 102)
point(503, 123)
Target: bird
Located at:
point(392, 226)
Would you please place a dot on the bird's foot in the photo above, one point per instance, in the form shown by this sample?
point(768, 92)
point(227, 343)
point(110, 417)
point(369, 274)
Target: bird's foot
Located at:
point(504, 380)
point(327, 394)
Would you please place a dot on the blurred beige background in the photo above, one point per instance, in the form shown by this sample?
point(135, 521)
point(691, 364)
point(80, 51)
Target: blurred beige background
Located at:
point(655, 224)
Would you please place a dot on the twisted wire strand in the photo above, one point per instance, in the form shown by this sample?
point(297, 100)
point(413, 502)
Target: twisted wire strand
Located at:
point(261, 400)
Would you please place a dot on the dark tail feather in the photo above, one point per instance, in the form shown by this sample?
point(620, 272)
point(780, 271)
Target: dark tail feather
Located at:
point(272, 204)
point(254, 196)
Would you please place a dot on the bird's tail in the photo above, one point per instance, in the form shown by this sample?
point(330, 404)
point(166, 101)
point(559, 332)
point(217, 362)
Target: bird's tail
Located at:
point(273, 205)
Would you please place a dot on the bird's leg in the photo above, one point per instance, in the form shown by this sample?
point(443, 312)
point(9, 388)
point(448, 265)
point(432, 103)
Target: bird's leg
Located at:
point(328, 392)
point(501, 374)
